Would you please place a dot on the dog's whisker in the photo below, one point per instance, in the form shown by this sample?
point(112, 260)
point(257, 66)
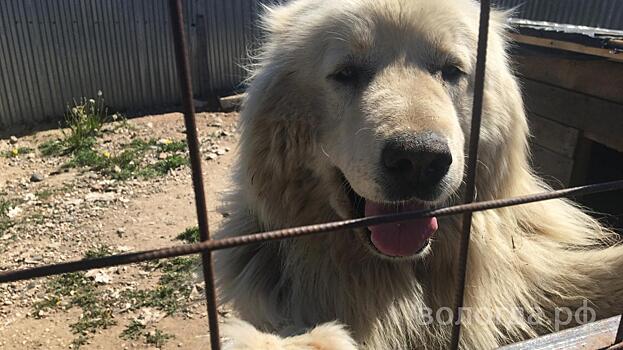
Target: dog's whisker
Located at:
point(324, 152)
point(362, 129)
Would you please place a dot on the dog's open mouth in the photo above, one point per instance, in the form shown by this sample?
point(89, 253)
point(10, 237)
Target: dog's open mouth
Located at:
point(400, 239)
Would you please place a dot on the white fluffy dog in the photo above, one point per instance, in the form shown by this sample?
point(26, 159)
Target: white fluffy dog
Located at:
point(362, 107)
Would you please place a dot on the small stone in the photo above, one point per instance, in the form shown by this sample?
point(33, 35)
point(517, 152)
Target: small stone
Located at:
point(99, 276)
point(117, 169)
point(36, 177)
point(162, 155)
point(100, 197)
point(123, 249)
point(150, 125)
point(14, 212)
point(211, 156)
point(13, 139)
point(74, 202)
point(120, 231)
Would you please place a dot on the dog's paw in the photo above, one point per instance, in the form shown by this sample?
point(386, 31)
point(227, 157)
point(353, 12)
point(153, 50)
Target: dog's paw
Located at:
point(329, 336)
point(243, 336)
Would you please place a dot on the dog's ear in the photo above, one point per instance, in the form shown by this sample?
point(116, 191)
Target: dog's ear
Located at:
point(277, 85)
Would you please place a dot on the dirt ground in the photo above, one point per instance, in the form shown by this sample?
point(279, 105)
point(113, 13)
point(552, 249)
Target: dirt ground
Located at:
point(57, 214)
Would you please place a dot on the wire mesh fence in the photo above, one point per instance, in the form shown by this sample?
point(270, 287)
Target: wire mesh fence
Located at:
point(207, 245)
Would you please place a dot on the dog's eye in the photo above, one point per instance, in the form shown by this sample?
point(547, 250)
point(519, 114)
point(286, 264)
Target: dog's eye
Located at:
point(345, 75)
point(451, 73)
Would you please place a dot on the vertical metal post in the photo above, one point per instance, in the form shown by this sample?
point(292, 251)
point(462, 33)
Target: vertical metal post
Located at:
point(183, 67)
point(470, 181)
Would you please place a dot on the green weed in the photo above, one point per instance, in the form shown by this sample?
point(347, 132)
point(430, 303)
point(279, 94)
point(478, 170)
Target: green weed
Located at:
point(84, 121)
point(98, 252)
point(87, 157)
point(190, 235)
point(171, 295)
point(5, 206)
point(157, 338)
point(172, 146)
point(173, 290)
point(52, 148)
point(163, 166)
point(17, 151)
point(78, 291)
point(45, 193)
point(133, 331)
point(5, 221)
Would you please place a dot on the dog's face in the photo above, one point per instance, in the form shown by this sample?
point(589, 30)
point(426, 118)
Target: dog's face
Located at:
point(395, 95)
point(396, 92)
point(392, 81)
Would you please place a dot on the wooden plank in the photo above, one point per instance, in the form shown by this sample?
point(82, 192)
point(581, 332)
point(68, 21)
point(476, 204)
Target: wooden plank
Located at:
point(567, 46)
point(591, 336)
point(598, 78)
point(555, 169)
point(581, 162)
point(556, 137)
point(600, 120)
point(231, 103)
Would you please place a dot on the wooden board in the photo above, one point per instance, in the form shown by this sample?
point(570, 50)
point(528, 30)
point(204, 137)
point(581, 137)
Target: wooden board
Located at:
point(231, 103)
point(596, 335)
point(567, 46)
point(599, 120)
point(556, 137)
point(599, 78)
point(555, 169)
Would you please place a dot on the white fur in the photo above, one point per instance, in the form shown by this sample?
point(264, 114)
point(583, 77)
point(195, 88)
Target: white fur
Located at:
point(299, 128)
point(328, 336)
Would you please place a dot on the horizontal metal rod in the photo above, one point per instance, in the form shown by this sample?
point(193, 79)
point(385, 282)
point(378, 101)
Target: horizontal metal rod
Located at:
point(216, 244)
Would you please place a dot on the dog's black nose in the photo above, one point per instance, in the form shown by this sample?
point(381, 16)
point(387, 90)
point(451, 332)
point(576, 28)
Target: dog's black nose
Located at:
point(415, 164)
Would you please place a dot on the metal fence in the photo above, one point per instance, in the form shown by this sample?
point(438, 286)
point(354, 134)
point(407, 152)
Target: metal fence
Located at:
point(55, 51)
point(208, 245)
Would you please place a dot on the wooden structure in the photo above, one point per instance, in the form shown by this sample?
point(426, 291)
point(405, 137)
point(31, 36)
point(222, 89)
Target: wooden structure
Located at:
point(573, 100)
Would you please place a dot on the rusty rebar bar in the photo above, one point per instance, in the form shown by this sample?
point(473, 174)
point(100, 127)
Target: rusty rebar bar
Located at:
point(472, 161)
point(183, 69)
point(217, 244)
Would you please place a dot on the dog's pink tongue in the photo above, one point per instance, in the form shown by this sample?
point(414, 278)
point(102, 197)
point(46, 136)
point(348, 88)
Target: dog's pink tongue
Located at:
point(402, 238)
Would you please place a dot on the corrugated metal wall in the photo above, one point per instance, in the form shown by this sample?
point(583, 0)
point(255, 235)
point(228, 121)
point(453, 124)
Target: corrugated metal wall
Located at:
point(52, 51)
point(590, 13)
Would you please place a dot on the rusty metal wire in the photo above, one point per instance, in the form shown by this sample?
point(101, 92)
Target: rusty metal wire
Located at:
point(470, 178)
point(217, 244)
point(183, 68)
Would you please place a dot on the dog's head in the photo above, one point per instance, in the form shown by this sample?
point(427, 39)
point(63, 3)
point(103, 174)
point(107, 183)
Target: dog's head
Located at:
point(386, 86)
